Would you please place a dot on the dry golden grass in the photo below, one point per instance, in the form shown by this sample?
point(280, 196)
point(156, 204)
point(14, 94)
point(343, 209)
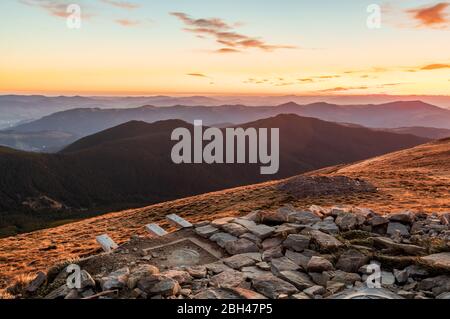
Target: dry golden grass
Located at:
point(417, 179)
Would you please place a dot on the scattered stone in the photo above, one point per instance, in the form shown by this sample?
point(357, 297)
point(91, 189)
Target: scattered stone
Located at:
point(300, 280)
point(261, 231)
point(251, 237)
point(197, 272)
point(397, 247)
point(272, 242)
point(253, 272)
point(351, 260)
point(441, 260)
point(281, 264)
point(319, 264)
point(303, 218)
point(115, 280)
point(216, 293)
point(73, 294)
point(397, 228)
point(244, 222)
point(227, 279)
point(217, 267)
point(327, 226)
point(403, 217)
point(234, 229)
point(206, 231)
point(271, 253)
point(334, 287)
point(348, 221)
point(221, 221)
point(325, 242)
point(297, 242)
point(314, 290)
point(347, 278)
point(58, 293)
point(401, 276)
point(239, 261)
point(378, 221)
point(297, 258)
point(182, 277)
point(154, 285)
point(222, 238)
point(263, 265)
point(272, 287)
point(240, 246)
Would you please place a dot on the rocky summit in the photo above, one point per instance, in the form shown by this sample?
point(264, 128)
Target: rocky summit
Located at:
point(337, 253)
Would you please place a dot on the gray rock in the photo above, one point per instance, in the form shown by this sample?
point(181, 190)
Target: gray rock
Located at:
point(321, 279)
point(406, 217)
point(347, 278)
point(398, 247)
point(115, 280)
point(296, 242)
point(301, 296)
point(239, 261)
point(437, 285)
point(216, 293)
point(253, 272)
point(154, 285)
point(334, 287)
point(251, 237)
point(241, 246)
point(261, 231)
point(401, 276)
point(221, 221)
point(234, 229)
point(349, 221)
point(281, 264)
point(272, 242)
point(58, 293)
point(314, 290)
point(397, 228)
point(247, 294)
point(300, 280)
point(440, 260)
point(272, 287)
point(387, 278)
point(319, 264)
point(297, 258)
point(378, 221)
point(325, 242)
point(222, 238)
point(227, 279)
point(303, 218)
point(274, 252)
point(327, 226)
point(351, 260)
point(206, 231)
point(217, 267)
point(182, 277)
point(37, 282)
point(244, 222)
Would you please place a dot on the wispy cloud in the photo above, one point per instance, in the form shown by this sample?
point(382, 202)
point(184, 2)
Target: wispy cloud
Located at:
point(431, 16)
point(435, 67)
point(127, 22)
point(122, 4)
point(199, 75)
point(53, 7)
point(225, 35)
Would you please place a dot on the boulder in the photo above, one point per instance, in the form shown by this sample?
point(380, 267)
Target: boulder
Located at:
point(300, 280)
point(296, 242)
point(406, 217)
point(303, 218)
point(440, 260)
point(221, 221)
point(281, 264)
point(271, 242)
point(154, 285)
point(327, 226)
point(272, 287)
point(395, 228)
point(261, 231)
point(349, 221)
point(222, 238)
point(239, 261)
point(115, 280)
point(216, 293)
point(206, 231)
point(274, 252)
point(37, 282)
point(299, 259)
point(234, 229)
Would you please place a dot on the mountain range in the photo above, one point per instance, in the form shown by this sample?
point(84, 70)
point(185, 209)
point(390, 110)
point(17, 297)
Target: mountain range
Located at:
point(130, 165)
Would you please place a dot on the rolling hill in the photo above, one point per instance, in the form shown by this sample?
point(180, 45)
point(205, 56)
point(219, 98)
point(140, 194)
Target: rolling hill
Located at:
point(130, 165)
point(412, 179)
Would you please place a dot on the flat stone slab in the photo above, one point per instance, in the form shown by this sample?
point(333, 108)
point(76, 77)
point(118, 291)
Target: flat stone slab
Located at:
point(206, 231)
point(155, 230)
point(178, 221)
point(441, 260)
point(366, 293)
point(106, 242)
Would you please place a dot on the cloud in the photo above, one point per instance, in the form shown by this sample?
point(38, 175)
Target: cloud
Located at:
point(432, 15)
point(122, 4)
point(54, 8)
point(127, 23)
point(200, 75)
point(344, 88)
point(435, 67)
point(224, 34)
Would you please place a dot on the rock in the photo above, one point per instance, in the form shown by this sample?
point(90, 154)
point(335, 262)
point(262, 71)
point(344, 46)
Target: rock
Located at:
point(387, 278)
point(154, 285)
point(222, 238)
point(334, 287)
point(256, 256)
point(397, 228)
point(182, 277)
point(440, 260)
point(115, 280)
point(347, 278)
point(227, 279)
point(437, 285)
point(239, 261)
point(221, 221)
point(241, 246)
point(261, 231)
point(397, 247)
point(300, 296)
point(234, 229)
point(272, 287)
point(300, 280)
point(365, 293)
point(60, 292)
point(296, 242)
point(348, 221)
point(244, 222)
point(378, 221)
point(406, 294)
point(444, 295)
point(139, 272)
point(297, 258)
point(319, 264)
point(279, 216)
point(217, 267)
point(253, 272)
point(287, 229)
point(403, 217)
point(86, 280)
point(206, 231)
point(303, 218)
point(314, 290)
point(251, 237)
point(327, 226)
point(263, 265)
point(37, 282)
point(351, 260)
point(247, 294)
point(401, 276)
point(325, 242)
point(272, 242)
point(197, 272)
point(416, 271)
point(281, 264)
point(274, 252)
point(201, 224)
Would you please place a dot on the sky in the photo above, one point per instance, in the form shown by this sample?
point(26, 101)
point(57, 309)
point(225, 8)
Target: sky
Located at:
point(301, 47)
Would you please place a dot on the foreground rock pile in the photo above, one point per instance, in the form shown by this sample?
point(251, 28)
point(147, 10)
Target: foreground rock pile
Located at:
point(287, 253)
